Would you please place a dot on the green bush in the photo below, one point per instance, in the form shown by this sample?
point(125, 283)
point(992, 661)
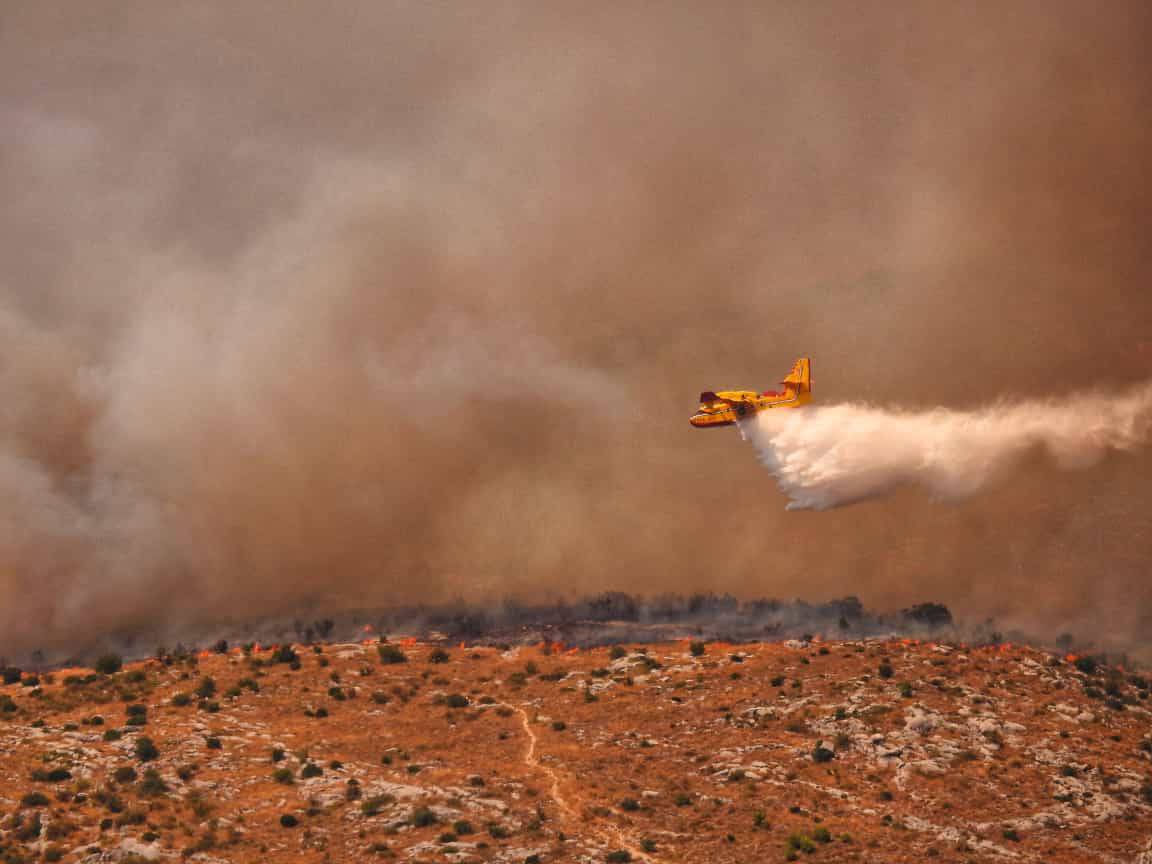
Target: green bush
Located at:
point(206, 689)
point(822, 835)
point(391, 654)
point(283, 775)
point(422, 817)
point(463, 827)
point(34, 799)
point(152, 784)
point(285, 654)
point(798, 842)
point(372, 806)
point(620, 856)
point(311, 769)
point(629, 804)
point(457, 700)
point(145, 749)
point(181, 699)
point(822, 754)
point(109, 664)
point(124, 774)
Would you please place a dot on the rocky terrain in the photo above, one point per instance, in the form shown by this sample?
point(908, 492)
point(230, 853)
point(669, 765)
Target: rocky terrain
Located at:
point(871, 751)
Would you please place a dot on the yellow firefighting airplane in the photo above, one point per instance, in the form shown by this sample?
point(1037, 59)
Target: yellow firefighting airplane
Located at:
point(728, 406)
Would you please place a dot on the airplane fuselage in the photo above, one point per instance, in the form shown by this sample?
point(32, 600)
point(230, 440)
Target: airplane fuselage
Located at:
point(726, 407)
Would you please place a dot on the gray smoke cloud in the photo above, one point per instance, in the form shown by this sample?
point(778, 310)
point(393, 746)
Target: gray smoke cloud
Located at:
point(827, 457)
point(313, 308)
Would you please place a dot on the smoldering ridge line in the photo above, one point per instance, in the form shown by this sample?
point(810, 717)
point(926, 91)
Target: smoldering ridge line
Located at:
point(605, 619)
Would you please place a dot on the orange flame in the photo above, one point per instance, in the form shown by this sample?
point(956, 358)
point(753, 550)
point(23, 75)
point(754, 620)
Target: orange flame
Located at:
point(367, 628)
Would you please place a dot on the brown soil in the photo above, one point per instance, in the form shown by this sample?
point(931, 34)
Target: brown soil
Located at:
point(750, 753)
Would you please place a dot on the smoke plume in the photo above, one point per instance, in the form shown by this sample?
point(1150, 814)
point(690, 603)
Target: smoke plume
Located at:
point(825, 457)
point(312, 307)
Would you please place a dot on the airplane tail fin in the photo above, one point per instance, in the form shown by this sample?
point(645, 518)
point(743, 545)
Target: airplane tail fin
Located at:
point(801, 375)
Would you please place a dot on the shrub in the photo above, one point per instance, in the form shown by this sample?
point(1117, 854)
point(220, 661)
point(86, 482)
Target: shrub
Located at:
point(682, 800)
point(145, 749)
point(906, 690)
point(457, 700)
point(213, 743)
point(278, 754)
point(181, 699)
point(1087, 665)
point(287, 820)
point(56, 775)
point(822, 835)
point(422, 817)
point(310, 770)
point(380, 698)
point(822, 754)
point(337, 693)
point(206, 689)
point(112, 735)
point(885, 669)
point(798, 842)
point(11, 675)
point(439, 655)
point(390, 654)
point(617, 652)
point(153, 784)
point(620, 856)
point(463, 827)
point(109, 664)
point(283, 775)
point(1011, 834)
point(372, 806)
point(778, 681)
point(696, 648)
point(34, 799)
point(629, 804)
point(446, 837)
point(559, 725)
point(285, 654)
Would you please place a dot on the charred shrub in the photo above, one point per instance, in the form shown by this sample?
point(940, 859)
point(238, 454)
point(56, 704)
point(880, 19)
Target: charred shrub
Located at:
point(930, 615)
point(439, 655)
point(885, 670)
point(11, 675)
point(696, 648)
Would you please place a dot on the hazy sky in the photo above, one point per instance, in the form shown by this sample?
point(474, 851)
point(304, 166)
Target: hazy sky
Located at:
point(366, 303)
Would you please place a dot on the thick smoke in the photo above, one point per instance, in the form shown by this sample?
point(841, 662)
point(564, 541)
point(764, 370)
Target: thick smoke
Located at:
point(308, 307)
point(824, 457)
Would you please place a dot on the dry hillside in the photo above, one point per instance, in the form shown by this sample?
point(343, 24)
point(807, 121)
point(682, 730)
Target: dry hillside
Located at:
point(870, 751)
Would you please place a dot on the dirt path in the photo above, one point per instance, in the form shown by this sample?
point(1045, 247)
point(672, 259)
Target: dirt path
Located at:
point(610, 833)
